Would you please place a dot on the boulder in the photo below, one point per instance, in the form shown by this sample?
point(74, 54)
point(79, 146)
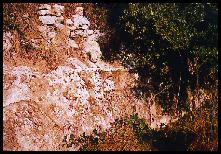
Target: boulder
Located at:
point(80, 21)
point(95, 55)
point(48, 20)
point(93, 49)
point(45, 7)
point(58, 8)
point(44, 12)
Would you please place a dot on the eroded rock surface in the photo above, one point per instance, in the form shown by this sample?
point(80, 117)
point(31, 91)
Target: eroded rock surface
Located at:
point(40, 108)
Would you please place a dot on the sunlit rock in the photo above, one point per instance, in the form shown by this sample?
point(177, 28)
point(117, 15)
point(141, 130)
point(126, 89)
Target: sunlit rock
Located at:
point(7, 41)
point(44, 12)
point(51, 34)
point(47, 20)
point(108, 85)
point(45, 7)
point(164, 120)
point(79, 19)
point(69, 22)
point(58, 9)
point(73, 44)
point(93, 48)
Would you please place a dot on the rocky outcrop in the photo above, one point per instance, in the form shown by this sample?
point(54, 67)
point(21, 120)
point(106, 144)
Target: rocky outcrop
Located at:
point(77, 28)
point(41, 109)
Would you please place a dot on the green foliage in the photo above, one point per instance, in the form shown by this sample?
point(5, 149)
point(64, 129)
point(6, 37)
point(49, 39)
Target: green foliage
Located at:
point(179, 24)
point(183, 26)
point(139, 126)
point(180, 38)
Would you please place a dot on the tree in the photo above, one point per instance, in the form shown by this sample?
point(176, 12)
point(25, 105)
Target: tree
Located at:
point(181, 37)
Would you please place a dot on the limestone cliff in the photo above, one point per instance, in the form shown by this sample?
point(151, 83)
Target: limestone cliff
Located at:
point(42, 106)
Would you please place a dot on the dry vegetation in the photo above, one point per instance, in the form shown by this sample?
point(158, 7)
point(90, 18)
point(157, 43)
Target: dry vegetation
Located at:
point(204, 123)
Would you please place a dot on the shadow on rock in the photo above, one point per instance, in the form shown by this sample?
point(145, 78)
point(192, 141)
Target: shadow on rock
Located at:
point(170, 141)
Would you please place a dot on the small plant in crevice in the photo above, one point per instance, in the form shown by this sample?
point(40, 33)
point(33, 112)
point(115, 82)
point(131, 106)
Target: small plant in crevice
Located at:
point(140, 128)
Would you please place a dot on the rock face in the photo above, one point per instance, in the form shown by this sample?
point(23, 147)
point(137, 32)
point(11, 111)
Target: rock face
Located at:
point(77, 28)
point(40, 109)
point(51, 18)
point(77, 97)
point(7, 41)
